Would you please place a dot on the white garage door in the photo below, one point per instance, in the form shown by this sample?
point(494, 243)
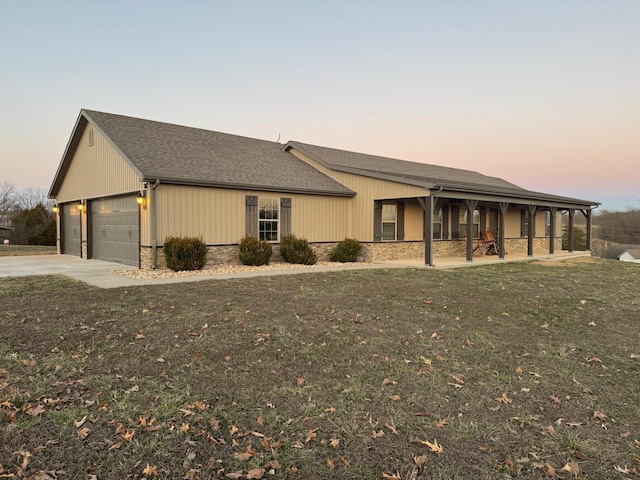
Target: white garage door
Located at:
point(71, 235)
point(115, 230)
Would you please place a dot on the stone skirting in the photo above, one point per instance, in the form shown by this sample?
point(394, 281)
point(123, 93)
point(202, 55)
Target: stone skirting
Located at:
point(371, 251)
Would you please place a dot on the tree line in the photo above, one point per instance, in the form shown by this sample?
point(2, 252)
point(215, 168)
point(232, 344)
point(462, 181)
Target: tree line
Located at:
point(26, 215)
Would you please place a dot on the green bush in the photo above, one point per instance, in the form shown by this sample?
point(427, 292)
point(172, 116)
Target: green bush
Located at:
point(297, 250)
point(254, 252)
point(579, 238)
point(346, 251)
point(185, 253)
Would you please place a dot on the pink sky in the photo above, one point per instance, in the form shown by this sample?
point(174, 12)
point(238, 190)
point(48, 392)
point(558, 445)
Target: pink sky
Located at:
point(542, 94)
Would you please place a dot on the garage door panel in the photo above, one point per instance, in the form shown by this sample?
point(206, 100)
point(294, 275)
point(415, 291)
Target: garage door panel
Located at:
point(116, 230)
point(71, 230)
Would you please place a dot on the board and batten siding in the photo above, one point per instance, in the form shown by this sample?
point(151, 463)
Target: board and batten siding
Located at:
point(97, 170)
point(218, 215)
point(370, 189)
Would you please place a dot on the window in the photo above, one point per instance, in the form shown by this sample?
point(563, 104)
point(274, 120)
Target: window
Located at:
point(437, 223)
point(268, 219)
point(389, 221)
point(475, 228)
point(547, 224)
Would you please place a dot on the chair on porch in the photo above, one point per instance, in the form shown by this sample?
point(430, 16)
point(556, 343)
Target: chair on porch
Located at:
point(490, 243)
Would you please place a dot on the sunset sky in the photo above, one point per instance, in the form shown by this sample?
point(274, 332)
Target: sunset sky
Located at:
point(545, 94)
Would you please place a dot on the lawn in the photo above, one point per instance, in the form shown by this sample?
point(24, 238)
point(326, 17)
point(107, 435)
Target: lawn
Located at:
point(17, 250)
point(519, 370)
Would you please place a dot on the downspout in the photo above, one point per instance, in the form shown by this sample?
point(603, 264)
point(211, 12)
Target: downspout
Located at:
point(154, 236)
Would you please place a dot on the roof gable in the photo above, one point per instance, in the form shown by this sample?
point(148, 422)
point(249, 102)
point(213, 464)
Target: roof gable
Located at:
point(184, 155)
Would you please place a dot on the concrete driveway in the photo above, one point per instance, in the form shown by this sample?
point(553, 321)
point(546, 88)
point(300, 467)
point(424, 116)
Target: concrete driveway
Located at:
point(94, 272)
point(103, 274)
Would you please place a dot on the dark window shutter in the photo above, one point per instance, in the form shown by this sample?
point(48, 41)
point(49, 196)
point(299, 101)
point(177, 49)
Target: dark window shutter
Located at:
point(377, 220)
point(251, 214)
point(400, 220)
point(285, 216)
point(483, 220)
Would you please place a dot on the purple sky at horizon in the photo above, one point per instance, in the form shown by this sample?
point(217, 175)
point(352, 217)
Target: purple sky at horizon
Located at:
point(543, 94)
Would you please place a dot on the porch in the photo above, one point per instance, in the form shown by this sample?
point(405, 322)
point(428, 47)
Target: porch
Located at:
point(461, 261)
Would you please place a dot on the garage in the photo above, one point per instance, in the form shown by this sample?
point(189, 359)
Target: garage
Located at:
point(71, 230)
point(115, 230)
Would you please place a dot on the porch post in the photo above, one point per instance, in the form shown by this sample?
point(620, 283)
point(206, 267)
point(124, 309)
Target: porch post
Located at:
point(471, 206)
point(570, 232)
point(588, 216)
point(532, 229)
point(552, 229)
point(504, 206)
point(428, 230)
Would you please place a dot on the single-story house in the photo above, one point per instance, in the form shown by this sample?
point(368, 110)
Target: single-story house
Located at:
point(126, 184)
point(624, 253)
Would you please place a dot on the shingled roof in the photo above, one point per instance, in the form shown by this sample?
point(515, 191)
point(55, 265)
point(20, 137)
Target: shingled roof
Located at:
point(192, 156)
point(184, 155)
point(615, 250)
point(431, 176)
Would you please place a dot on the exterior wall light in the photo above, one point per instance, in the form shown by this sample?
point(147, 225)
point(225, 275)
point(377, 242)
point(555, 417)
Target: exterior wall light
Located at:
point(55, 208)
point(81, 205)
point(141, 199)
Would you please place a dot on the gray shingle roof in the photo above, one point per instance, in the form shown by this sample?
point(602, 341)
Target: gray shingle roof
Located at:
point(179, 154)
point(614, 251)
point(438, 176)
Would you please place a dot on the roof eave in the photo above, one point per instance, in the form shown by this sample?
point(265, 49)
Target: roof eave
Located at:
point(255, 187)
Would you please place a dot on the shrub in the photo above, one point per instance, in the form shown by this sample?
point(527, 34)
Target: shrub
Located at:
point(254, 252)
point(579, 238)
point(346, 251)
point(297, 250)
point(185, 253)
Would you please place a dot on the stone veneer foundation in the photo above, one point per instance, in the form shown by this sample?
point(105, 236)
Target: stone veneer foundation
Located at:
point(371, 251)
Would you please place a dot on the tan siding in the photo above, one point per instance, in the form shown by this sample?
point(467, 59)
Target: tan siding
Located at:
point(413, 221)
point(97, 171)
point(218, 215)
point(368, 190)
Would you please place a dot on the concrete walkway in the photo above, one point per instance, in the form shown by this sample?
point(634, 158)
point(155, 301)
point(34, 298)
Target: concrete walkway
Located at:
point(103, 274)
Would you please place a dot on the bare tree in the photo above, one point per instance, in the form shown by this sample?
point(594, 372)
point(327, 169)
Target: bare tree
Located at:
point(7, 201)
point(30, 197)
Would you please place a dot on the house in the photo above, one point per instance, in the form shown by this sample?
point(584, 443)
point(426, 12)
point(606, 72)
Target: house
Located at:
point(125, 184)
point(624, 253)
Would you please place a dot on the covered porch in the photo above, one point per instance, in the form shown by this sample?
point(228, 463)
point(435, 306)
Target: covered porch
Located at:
point(461, 261)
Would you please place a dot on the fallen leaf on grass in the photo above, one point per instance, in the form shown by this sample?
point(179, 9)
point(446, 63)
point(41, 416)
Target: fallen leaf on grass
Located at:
point(395, 398)
point(84, 433)
point(441, 423)
point(344, 461)
point(35, 411)
point(256, 473)
point(330, 464)
point(301, 381)
point(434, 447)
point(377, 434)
point(420, 461)
point(621, 469)
point(391, 427)
point(150, 470)
point(504, 399)
point(128, 435)
point(311, 434)
point(551, 471)
point(243, 456)
point(234, 474)
point(334, 442)
point(599, 415)
point(573, 468)
point(391, 476)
